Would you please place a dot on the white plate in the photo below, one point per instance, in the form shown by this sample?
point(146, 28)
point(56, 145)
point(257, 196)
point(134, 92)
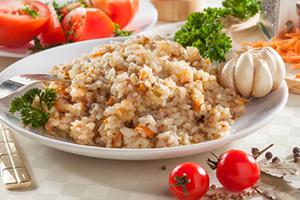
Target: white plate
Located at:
point(145, 18)
point(258, 113)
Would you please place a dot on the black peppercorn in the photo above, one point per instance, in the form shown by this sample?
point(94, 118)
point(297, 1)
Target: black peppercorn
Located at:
point(296, 150)
point(275, 159)
point(268, 155)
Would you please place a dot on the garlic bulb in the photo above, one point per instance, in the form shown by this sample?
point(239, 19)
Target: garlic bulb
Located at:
point(255, 72)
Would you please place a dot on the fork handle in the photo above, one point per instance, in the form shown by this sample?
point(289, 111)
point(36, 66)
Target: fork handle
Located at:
point(14, 173)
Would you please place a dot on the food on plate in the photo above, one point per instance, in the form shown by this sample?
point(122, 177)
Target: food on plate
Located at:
point(87, 23)
point(120, 11)
point(242, 9)
point(38, 26)
point(53, 33)
point(255, 72)
point(21, 22)
point(142, 93)
point(236, 170)
point(34, 106)
point(204, 31)
point(188, 181)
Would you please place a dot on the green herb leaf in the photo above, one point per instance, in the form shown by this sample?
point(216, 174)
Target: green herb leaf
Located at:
point(242, 9)
point(57, 9)
point(37, 46)
point(83, 3)
point(36, 116)
point(29, 11)
point(204, 31)
point(119, 32)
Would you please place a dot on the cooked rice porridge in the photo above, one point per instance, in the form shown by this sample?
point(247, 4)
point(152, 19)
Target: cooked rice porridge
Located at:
point(143, 93)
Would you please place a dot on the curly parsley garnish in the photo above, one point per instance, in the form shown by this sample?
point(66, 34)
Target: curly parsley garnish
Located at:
point(119, 32)
point(204, 31)
point(34, 115)
point(242, 9)
point(29, 11)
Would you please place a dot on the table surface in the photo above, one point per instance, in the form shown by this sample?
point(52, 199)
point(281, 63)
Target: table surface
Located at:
point(62, 176)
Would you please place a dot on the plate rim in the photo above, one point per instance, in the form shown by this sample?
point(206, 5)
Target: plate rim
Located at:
point(132, 154)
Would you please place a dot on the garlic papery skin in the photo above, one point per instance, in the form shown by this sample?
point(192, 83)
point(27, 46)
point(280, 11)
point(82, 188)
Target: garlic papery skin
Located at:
point(244, 73)
point(262, 83)
point(254, 72)
point(227, 74)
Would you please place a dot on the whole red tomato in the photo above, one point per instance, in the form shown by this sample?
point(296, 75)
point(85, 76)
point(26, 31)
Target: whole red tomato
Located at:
point(188, 181)
point(236, 170)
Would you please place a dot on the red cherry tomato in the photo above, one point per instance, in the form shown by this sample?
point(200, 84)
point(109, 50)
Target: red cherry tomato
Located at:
point(53, 34)
point(120, 11)
point(18, 27)
point(188, 181)
point(87, 23)
point(236, 170)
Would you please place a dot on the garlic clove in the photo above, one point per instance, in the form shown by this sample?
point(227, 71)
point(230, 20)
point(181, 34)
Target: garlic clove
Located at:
point(244, 73)
point(280, 71)
point(263, 81)
point(268, 57)
point(227, 74)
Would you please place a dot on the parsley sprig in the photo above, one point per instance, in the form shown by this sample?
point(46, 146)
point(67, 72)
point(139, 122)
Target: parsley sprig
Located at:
point(119, 32)
point(34, 115)
point(29, 11)
point(242, 9)
point(204, 31)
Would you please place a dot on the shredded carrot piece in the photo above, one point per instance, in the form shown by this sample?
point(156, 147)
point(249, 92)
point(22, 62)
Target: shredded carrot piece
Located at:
point(111, 101)
point(145, 129)
point(141, 88)
point(298, 76)
point(287, 47)
point(97, 54)
point(296, 66)
point(117, 140)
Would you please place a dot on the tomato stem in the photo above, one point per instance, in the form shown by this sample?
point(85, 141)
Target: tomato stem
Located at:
point(182, 181)
point(262, 151)
point(212, 153)
point(212, 164)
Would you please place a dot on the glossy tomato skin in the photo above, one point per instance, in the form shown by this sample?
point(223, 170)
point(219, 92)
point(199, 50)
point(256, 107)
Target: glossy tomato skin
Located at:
point(53, 33)
point(120, 11)
point(237, 171)
point(87, 23)
point(69, 7)
point(17, 29)
point(198, 181)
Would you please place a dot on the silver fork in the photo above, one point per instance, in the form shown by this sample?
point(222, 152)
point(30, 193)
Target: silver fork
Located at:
point(12, 168)
point(23, 81)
